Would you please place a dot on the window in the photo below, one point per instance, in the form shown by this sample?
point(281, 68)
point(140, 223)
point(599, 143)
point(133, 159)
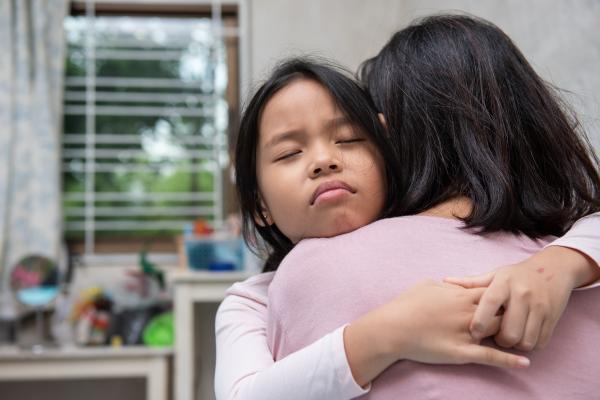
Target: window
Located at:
point(150, 99)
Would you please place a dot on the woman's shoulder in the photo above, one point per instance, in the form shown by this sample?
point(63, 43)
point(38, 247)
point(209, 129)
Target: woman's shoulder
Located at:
point(406, 231)
point(396, 227)
point(364, 240)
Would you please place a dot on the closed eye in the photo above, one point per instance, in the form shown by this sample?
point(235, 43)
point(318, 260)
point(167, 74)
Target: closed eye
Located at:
point(287, 155)
point(348, 141)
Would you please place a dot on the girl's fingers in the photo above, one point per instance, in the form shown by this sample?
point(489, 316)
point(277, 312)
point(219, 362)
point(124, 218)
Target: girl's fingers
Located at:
point(546, 333)
point(472, 281)
point(490, 303)
point(493, 327)
point(533, 329)
point(513, 323)
point(476, 294)
point(496, 358)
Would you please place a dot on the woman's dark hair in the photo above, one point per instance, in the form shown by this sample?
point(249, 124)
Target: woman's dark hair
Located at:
point(351, 99)
point(468, 116)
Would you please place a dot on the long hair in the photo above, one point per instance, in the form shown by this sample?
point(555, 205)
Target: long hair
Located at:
point(469, 116)
point(351, 99)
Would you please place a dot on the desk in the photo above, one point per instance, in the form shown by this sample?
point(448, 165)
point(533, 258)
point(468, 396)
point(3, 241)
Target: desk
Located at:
point(94, 362)
point(192, 287)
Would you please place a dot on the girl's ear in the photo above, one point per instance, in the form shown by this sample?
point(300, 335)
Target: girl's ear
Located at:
point(264, 218)
point(382, 120)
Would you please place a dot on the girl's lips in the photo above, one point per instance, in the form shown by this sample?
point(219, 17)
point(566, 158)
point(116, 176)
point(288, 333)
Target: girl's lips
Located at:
point(331, 186)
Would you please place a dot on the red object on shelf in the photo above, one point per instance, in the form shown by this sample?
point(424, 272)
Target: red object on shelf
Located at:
point(202, 228)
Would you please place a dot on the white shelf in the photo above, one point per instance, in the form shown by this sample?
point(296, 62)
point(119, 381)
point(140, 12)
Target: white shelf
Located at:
point(83, 363)
point(14, 353)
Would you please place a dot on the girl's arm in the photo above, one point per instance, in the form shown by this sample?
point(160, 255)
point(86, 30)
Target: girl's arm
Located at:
point(534, 292)
point(584, 239)
point(244, 365)
point(427, 323)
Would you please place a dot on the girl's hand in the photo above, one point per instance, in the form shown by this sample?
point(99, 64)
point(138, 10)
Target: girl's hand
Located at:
point(435, 327)
point(428, 323)
point(532, 293)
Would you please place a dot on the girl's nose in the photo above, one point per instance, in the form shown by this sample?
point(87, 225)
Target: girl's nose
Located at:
point(325, 167)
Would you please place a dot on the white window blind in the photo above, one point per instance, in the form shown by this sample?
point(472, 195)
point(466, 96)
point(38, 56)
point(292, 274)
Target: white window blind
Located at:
point(146, 124)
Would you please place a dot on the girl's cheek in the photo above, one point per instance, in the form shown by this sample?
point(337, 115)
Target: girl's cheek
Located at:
point(369, 160)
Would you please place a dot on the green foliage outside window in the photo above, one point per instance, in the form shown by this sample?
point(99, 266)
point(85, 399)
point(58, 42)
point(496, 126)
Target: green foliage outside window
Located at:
point(174, 153)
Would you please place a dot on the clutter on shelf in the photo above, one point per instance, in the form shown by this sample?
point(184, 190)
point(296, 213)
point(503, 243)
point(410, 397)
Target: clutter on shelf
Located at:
point(135, 309)
point(201, 247)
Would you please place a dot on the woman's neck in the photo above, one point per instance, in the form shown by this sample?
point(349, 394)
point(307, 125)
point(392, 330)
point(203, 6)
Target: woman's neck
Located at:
point(457, 207)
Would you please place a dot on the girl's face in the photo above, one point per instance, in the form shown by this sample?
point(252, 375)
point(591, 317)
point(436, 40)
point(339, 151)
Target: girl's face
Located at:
point(318, 175)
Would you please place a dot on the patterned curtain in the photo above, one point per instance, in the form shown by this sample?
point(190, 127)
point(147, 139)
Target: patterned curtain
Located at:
point(32, 51)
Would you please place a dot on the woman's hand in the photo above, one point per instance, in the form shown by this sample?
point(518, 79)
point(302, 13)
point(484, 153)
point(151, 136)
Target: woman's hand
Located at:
point(428, 323)
point(532, 293)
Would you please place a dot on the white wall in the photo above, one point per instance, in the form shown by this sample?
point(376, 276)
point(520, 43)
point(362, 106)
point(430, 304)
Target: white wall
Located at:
point(347, 31)
point(561, 38)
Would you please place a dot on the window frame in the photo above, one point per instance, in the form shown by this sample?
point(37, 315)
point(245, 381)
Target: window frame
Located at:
point(120, 250)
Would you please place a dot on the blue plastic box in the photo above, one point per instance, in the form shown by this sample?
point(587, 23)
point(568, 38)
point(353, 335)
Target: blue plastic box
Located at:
point(215, 254)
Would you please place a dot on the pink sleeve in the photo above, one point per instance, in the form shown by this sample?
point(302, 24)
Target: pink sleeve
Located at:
point(244, 365)
point(584, 236)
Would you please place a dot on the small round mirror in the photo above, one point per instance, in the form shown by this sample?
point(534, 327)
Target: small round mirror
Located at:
point(34, 282)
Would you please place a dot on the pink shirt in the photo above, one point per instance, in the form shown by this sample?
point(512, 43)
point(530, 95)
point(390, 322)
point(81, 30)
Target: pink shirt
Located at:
point(245, 369)
point(325, 283)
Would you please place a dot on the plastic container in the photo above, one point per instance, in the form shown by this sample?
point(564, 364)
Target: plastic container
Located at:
point(214, 253)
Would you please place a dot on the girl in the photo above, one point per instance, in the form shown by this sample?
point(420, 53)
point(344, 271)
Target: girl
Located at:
point(494, 152)
point(344, 125)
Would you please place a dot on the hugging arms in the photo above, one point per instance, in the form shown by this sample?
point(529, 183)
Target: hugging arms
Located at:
point(246, 368)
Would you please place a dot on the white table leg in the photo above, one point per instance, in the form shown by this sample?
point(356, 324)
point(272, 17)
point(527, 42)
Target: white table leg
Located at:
point(156, 384)
point(184, 344)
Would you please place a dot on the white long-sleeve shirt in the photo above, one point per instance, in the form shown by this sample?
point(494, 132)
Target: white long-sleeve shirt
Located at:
point(245, 369)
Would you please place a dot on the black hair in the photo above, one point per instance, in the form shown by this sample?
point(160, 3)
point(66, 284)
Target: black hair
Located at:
point(468, 116)
point(352, 100)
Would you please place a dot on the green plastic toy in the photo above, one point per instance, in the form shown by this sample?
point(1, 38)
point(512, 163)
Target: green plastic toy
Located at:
point(160, 331)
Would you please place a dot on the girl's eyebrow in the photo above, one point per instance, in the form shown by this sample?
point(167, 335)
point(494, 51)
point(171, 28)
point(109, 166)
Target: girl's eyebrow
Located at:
point(343, 120)
point(295, 134)
point(283, 136)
